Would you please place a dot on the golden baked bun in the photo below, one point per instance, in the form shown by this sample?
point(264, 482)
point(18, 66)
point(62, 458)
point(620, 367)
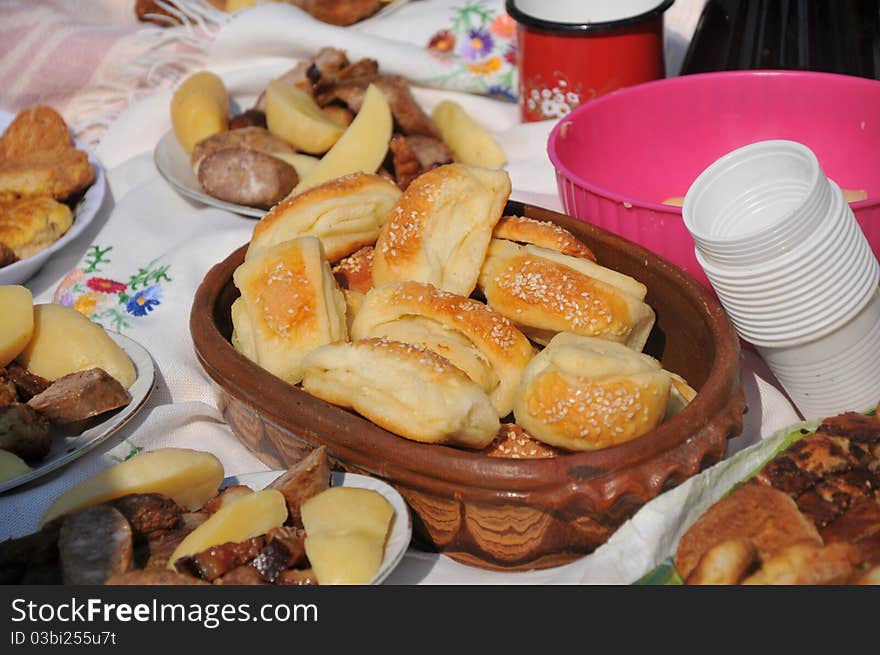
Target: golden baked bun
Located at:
point(345, 213)
point(545, 292)
point(766, 516)
point(545, 234)
point(512, 442)
point(440, 228)
point(475, 338)
point(290, 304)
point(583, 393)
point(31, 224)
point(406, 389)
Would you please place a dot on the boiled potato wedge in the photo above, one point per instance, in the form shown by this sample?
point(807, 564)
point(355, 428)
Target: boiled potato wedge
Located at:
point(469, 142)
point(189, 477)
point(292, 115)
point(17, 326)
point(344, 559)
point(348, 509)
point(11, 466)
point(361, 148)
point(346, 529)
point(199, 108)
point(65, 341)
point(245, 517)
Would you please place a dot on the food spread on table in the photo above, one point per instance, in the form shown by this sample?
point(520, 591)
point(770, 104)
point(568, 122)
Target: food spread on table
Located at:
point(42, 176)
point(391, 277)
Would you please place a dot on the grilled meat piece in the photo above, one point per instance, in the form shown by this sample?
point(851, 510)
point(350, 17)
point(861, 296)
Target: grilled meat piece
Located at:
point(854, 426)
point(153, 577)
point(24, 431)
point(148, 513)
point(860, 521)
point(285, 548)
point(28, 384)
point(161, 545)
point(248, 118)
point(8, 392)
point(79, 396)
point(94, 544)
point(35, 549)
point(309, 476)
point(406, 164)
point(241, 575)
point(212, 563)
point(408, 115)
point(807, 461)
point(297, 577)
point(324, 67)
point(227, 495)
point(833, 495)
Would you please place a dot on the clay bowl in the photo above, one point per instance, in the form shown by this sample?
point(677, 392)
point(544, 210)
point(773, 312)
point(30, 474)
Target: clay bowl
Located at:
point(491, 512)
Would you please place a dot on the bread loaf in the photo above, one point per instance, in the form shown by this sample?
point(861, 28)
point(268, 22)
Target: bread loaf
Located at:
point(440, 228)
point(545, 292)
point(545, 234)
point(345, 213)
point(475, 338)
point(290, 304)
point(406, 389)
point(582, 393)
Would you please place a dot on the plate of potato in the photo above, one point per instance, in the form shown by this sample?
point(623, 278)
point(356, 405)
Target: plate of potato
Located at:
point(66, 385)
point(326, 118)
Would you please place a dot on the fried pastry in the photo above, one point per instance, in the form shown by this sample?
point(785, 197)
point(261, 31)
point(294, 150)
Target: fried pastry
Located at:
point(582, 393)
point(29, 225)
point(406, 389)
point(38, 158)
point(440, 229)
point(290, 304)
point(545, 292)
point(475, 338)
point(345, 213)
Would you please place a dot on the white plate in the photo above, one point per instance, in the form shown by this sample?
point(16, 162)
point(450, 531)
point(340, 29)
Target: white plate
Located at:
point(83, 214)
point(66, 447)
point(174, 165)
point(401, 528)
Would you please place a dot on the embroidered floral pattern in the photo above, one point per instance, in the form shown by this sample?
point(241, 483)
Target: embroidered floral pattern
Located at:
point(477, 52)
point(109, 302)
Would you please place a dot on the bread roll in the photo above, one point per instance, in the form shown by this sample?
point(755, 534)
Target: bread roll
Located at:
point(512, 442)
point(290, 304)
point(345, 213)
point(766, 516)
point(440, 228)
point(544, 292)
point(406, 389)
point(475, 338)
point(545, 234)
point(582, 393)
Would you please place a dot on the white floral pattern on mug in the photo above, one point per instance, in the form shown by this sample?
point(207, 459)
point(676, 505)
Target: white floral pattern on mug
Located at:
point(554, 99)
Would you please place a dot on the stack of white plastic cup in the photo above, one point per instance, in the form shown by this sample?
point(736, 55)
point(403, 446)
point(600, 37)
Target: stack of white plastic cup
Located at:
point(793, 270)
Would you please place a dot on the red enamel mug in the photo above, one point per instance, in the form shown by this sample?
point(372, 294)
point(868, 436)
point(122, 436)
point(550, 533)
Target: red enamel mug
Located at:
point(571, 51)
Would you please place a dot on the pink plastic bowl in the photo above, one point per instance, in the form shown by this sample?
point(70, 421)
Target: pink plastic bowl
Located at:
point(620, 156)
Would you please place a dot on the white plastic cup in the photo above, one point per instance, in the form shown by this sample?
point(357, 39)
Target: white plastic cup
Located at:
point(793, 270)
point(835, 373)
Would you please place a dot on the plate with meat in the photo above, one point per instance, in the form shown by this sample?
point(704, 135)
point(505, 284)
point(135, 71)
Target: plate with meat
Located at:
point(326, 118)
point(169, 517)
point(51, 188)
point(63, 420)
